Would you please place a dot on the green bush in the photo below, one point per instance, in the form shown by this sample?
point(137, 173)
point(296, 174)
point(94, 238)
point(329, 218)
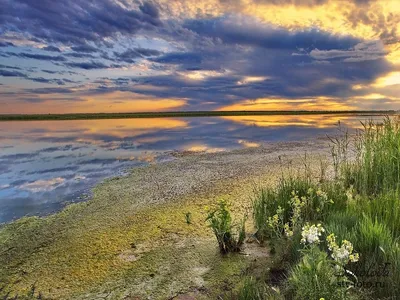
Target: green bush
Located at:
point(229, 236)
point(315, 277)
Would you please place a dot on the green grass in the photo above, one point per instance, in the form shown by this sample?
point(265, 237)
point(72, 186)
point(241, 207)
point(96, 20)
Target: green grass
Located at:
point(92, 116)
point(366, 211)
point(376, 168)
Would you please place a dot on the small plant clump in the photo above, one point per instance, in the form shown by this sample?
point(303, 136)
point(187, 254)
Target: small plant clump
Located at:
point(188, 218)
point(230, 236)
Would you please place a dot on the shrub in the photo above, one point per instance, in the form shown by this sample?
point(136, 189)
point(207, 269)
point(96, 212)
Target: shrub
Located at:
point(315, 277)
point(229, 236)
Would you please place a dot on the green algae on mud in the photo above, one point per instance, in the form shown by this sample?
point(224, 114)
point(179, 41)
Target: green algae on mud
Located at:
point(132, 240)
point(96, 246)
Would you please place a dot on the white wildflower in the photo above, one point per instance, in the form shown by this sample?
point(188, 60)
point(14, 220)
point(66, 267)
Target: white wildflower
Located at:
point(311, 234)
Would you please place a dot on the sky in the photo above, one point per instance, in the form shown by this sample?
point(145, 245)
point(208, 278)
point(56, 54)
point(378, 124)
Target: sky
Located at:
point(77, 56)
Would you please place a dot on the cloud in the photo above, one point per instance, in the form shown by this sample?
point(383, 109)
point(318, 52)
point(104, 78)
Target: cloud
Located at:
point(10, 67)
point(130, 54)
point(47, 91)
point(87, 65)
point(190, 58)
point(13, 73)
point(51, 49)
point(211, 54)
point(51, 72)
point(7, 73)
point(363, 51)
point(235, 29)
point(79, 55)
point(75, 22)
point(84, 48)
point(150, 9)
point(47, 80)
point(6, 44)
point(38, 56)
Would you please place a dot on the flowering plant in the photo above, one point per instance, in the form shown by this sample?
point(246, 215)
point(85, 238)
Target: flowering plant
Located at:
point(310, 234)
point(343, 254)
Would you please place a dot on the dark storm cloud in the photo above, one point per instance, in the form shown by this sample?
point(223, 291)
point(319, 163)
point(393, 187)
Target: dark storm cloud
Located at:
point(59, 72)
point(75, 21)
point(51, 49)
point(189, 58)
point(6, 44)
point(79, 55)
point(244, 31)
point(286, 75)
point(84, 49)
point(10, 67)
point(37, 56)
point(7, 73)
point(18, 156)
point(130, 54)
point(51, 72)
point(91, 65)
point(58, 81)
point(51, 90)
point(47, 80)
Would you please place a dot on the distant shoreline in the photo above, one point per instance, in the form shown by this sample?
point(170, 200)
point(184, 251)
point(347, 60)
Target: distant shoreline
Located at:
point(94, 116)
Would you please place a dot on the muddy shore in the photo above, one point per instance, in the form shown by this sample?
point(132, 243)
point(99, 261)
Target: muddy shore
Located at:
point(131, 241)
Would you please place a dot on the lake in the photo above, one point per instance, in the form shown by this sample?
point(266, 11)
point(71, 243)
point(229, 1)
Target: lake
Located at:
point(46, 164)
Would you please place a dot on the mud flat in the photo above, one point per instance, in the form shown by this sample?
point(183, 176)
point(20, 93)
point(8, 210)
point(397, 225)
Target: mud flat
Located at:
point(131, 240)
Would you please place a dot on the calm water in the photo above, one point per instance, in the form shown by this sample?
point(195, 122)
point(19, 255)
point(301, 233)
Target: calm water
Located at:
point(46, 164)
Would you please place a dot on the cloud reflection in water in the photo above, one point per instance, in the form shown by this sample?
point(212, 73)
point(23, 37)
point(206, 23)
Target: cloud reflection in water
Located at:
point(45, 164)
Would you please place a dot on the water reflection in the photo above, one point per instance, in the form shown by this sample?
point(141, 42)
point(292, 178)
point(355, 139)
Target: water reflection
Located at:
point(45, 164)
point(316, 121)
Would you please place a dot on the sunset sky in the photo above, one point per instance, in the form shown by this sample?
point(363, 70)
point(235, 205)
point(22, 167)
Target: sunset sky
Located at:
point(126, 55)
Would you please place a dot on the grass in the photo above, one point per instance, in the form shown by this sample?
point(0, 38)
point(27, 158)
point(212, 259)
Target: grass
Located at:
point(365, 210)
point(91, 116)
point(377, 164)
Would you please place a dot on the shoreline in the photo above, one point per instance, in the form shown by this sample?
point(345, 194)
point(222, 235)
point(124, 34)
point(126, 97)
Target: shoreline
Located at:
point(180, 114)
point(134, 226)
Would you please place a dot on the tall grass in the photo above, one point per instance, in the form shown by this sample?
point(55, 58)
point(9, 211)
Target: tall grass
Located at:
point(376, 167)
point(365, 209)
